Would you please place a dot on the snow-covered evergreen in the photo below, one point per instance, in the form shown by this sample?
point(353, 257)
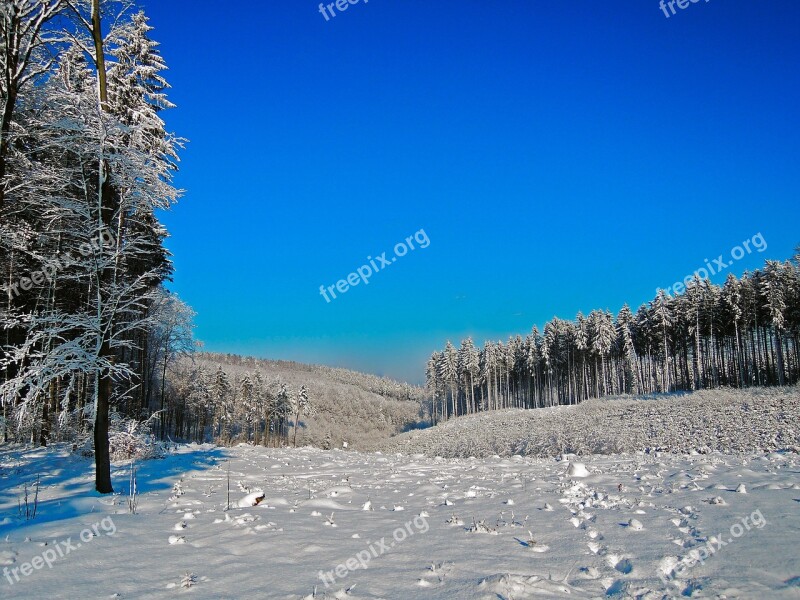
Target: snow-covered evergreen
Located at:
point(86, 161)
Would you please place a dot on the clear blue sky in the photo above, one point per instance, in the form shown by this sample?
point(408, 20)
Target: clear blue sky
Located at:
point(560, 156)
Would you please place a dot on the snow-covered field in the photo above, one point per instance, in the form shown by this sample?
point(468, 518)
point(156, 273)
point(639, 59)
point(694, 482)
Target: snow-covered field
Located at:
point(726, 420)
point(631, 525)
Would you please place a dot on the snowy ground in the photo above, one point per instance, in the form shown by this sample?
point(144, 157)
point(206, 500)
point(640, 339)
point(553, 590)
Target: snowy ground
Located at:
point(730, 421)
point(542, 527)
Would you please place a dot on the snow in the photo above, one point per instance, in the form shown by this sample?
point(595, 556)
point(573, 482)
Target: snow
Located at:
point(731, 421)
point(636, 525)
point(253, 499)
point(577, 469)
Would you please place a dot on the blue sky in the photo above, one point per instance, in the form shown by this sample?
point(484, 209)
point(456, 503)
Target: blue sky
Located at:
point(560, 156)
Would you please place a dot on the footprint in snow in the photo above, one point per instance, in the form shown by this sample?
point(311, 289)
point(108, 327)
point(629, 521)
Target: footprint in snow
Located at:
point(434, 574)
point(691, 588)
point(623, 565)
point(226, 519)
point(247, 518)
point(633, 525)
point(668, 564)
point(679, 523)
point(589, 573)
point(596, 548)
point(594, 534)
point(616, 587)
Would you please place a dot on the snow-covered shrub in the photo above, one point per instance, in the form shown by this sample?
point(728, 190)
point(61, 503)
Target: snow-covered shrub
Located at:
point(130, 439)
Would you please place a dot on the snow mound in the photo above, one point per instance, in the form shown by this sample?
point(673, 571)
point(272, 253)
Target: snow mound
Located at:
point(577, 469)
point(527, 586)
point(253, 499)
point(326, 504)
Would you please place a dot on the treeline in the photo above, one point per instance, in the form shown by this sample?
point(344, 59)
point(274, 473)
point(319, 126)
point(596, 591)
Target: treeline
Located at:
point(230, 399)
point(382, 386)
point(85, 163)
point(209, 404)
point(741, 334)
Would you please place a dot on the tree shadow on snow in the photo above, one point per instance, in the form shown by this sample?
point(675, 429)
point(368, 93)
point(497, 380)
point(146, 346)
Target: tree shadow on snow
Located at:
point(72, 476)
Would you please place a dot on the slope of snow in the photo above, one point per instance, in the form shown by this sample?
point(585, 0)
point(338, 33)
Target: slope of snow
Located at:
point(731, 421)
point(635, 526)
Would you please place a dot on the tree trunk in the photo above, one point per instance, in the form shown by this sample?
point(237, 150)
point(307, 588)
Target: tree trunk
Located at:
point(5, 131)
point(104, 386)
point(779, 356)
point(102, 456)
point(296, 421)
point(163, 390)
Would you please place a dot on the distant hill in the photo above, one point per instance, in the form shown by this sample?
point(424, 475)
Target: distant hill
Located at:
point(361, 409)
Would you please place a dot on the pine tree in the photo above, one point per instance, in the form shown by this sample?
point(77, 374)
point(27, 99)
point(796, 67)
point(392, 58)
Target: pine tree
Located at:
point(774, 293)
point(433, 384)
point(221, 391)
point(468, 367)
point(303, 407)
point(625, 325)
point(284, 409)
point(448, 373)
point(246, 401)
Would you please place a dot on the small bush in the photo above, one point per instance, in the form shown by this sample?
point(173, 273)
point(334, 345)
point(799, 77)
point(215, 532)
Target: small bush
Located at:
point(129, 439)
